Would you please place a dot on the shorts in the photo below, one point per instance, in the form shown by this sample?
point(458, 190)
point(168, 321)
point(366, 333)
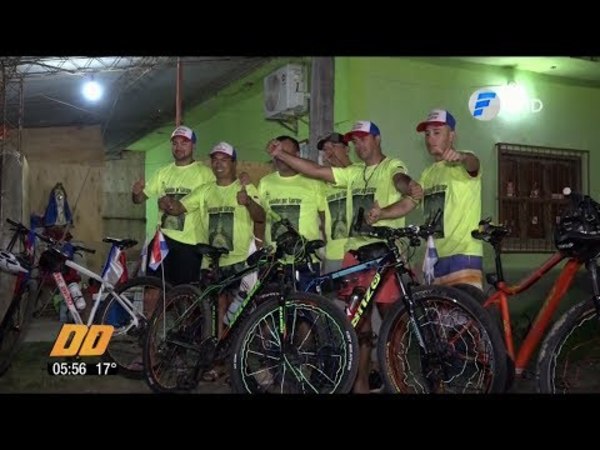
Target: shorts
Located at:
point(388, 290)
point(182, 263)
point(459, 269)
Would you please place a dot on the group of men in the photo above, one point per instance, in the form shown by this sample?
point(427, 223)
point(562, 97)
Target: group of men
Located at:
point(321, 201)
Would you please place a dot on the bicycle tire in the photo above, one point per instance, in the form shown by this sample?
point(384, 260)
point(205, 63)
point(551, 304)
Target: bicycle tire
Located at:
point(473, 291)
point(126, 345)
point(327, 354)
point(561, 367)
point(15, 324)
point(471, 356)
point(170, 367)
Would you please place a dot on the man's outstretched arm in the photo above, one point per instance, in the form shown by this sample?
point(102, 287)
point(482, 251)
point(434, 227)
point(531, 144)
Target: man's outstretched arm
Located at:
point(304, 166)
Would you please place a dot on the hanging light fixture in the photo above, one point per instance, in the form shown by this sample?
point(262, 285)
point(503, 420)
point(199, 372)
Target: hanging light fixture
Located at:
point(92, 90)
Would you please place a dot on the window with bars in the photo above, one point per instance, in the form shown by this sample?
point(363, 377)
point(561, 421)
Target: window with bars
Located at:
point(530, 199)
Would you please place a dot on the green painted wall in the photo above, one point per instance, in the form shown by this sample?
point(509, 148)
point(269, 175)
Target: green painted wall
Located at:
point(234, 115)
point(397, 93)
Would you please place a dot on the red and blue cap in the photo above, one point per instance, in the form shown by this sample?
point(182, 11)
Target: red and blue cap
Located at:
point(185, 132)
point(438, 117)
point(362, 128)
point(225, 148)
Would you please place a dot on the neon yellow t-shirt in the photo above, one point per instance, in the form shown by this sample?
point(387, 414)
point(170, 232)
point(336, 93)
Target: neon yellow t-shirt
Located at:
point(177, 181)
point(225, 222)
point(338, 219)
point(368, 184)
point(449, 187)
point(297, 198)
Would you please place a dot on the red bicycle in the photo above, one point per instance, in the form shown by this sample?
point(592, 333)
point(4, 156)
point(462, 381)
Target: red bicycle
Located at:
point(569, 357)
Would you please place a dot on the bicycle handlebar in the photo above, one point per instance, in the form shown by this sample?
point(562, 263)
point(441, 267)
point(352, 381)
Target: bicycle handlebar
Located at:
point(20, 227)
point(389, 233)
point(488, 232)
point(77, 248)
point(53, 242)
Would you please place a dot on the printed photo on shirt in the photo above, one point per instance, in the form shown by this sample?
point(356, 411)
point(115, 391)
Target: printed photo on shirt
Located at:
point(220, 230)
point(435, 200)
point(364, 201)
point(289, 212)
point(169, 222)
point(339, 225)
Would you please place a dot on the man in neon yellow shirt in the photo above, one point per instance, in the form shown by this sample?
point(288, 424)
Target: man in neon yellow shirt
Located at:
point(288, 194)
point(381, 186)
point(338, 214)
point(452, 183)
point(230, 213)
point(182, 264)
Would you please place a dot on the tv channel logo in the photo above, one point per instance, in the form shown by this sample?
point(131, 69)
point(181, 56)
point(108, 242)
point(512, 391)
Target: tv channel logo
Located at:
point(484, 104)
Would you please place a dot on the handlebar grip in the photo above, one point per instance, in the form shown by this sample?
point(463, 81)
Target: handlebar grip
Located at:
point(12, 222)
point(84, 249)
point(367, 230)
point(46, 239)
point(475, 234)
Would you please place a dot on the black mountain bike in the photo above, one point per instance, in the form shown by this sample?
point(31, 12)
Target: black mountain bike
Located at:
point(436, 338)
point(292, 342)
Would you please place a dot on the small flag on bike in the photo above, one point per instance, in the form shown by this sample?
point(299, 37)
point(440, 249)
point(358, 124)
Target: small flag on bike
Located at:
point(159, 250)
point(115, 270)
point(144, 256)
point(431, 257)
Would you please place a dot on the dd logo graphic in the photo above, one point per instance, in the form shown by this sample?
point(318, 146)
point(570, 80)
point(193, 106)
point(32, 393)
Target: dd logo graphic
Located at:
point(76, 339)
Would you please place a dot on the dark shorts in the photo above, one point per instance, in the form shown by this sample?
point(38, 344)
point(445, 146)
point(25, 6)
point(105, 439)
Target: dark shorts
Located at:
point(182, 264)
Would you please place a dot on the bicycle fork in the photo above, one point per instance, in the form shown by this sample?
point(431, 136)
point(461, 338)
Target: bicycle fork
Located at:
point(426, 336)
point(593, 269)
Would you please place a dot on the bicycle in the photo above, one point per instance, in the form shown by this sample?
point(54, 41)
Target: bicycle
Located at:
point(292, 342)
point(120, 306)
point(17, 318)
point(436, 338)
point(561, 359)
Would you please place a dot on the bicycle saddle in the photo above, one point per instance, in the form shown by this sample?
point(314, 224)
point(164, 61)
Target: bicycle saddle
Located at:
point(121, 243)
point(315, 245)
point(210, 251)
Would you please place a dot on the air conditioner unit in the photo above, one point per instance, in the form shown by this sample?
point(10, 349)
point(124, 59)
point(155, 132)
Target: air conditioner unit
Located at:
point(285, 92)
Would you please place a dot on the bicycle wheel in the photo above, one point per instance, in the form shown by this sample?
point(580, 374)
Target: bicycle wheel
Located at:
point(15, 324)
point(466, 352)
point(126, 345)
point(318, 355)
point(569, 358)
point(173, 350)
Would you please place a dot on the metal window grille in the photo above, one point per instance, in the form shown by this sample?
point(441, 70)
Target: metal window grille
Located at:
point(530, 199)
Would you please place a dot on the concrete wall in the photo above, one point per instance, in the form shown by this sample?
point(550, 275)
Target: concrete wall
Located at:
point(14, 205)
point(73, 156)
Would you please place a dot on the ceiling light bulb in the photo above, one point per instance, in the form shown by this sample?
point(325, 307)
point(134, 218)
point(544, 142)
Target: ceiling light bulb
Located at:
point(92, 91)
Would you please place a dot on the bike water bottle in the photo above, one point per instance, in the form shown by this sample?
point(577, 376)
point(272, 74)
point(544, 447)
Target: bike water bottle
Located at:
point(77, 296)
point(233, 307)
point(355, 298)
